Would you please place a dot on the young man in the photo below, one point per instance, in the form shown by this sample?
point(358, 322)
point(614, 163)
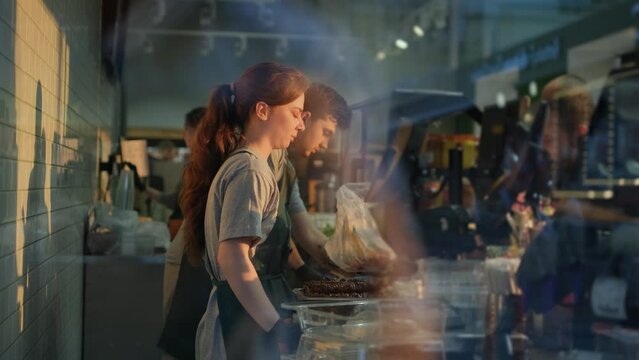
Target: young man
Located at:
point(329, 111)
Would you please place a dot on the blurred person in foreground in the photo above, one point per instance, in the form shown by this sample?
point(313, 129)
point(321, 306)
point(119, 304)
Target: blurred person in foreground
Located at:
point(561, 263)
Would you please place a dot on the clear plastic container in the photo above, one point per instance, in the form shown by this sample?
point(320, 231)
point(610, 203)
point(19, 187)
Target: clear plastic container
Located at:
point(381, 329)
point(439, 273)
point(373, 319)
point(461, 286)
point(316, 346)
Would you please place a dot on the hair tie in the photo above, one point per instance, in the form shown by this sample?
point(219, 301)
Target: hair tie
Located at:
point(232, 89)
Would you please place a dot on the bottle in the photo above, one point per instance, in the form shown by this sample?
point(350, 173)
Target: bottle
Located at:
point(124, 192)
point(113, 182)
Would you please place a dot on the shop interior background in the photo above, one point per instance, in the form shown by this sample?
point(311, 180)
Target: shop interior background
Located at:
point(77, 76)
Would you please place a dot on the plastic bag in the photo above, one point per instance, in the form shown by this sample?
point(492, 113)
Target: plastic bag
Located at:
point(357, 245)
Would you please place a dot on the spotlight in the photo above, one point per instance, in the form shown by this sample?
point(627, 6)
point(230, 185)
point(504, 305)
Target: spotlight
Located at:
point(281, 49)
point(381, 55)
point(501, 100)
point(208, 44)
point(240, 46)
point(401, 44)
point(339, 53)
point(147, 45)
point(418, 31)
point(208, 12)
point(532, 88)
point(440, 22)
point(266, 16)
point(158, 11)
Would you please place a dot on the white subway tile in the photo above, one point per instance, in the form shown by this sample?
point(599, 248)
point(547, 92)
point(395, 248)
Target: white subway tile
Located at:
point(52, 260)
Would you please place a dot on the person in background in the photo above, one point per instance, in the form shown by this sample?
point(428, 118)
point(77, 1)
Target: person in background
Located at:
point(185, 286)
point(245, 121)
point(170, 199)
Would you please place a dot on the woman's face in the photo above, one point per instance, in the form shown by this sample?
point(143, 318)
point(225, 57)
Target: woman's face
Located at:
point(286, 121)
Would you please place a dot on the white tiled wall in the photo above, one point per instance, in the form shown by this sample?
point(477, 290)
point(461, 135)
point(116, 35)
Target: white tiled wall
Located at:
point(54, 104)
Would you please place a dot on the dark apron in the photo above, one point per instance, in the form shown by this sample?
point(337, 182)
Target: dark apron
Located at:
point(190, 299)
point(243, 337)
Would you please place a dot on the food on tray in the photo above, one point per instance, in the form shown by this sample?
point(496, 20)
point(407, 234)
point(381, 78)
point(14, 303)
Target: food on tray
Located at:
point(378, 287)
point(339, 288)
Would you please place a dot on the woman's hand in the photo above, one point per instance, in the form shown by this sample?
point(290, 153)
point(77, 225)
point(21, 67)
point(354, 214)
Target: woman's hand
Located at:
point(236, 266)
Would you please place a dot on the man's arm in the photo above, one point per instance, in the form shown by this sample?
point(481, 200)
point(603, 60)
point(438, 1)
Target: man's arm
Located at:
point(170, 200)
point(295, 260)
point(310, 238)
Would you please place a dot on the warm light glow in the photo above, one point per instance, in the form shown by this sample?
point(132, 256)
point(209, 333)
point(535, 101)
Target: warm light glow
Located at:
point(381, 55)
point(418, 31)
point(501, 100)
point(533, 89)
point(401, 43)
point(41, 72)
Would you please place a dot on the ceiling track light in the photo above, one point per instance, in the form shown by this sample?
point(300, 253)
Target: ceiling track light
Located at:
point(266, 15)
point(418, 31)
point(208, 13)
point(208, 45)
point(380, 56)
point(401, 44)
point(146, 44)
point(240, 46)
point(281, 49)
point(158, 11)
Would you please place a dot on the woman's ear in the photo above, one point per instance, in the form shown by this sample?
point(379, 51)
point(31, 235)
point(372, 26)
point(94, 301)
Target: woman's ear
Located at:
point(262, 110)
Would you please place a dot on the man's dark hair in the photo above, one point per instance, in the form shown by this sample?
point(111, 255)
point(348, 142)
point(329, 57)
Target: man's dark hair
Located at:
point(322, 100)
point(193, 117)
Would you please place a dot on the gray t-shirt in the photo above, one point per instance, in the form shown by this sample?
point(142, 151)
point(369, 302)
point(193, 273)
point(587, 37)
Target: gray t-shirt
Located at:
point(242, 202)
point(279, 158)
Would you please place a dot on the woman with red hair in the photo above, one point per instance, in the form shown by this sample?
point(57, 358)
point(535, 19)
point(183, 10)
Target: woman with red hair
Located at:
point(245, 121)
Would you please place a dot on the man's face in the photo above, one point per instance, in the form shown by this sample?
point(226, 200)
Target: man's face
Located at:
point(189, 134)
point(315, 138)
